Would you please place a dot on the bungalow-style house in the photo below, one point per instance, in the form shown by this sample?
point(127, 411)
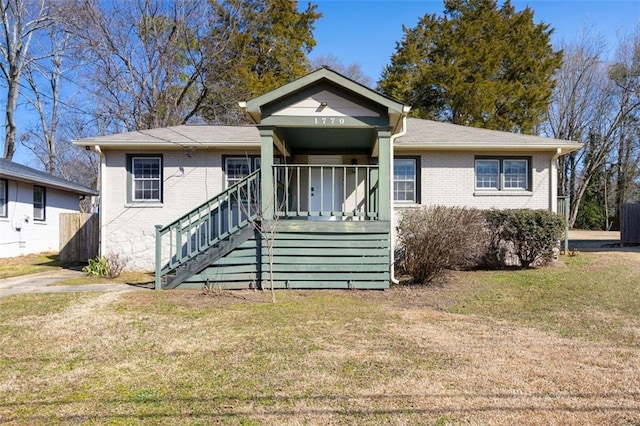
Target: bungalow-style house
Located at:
point(309, 192)
point(30, 205)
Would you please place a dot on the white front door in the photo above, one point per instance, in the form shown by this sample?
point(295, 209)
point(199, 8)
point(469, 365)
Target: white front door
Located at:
point(325, 188)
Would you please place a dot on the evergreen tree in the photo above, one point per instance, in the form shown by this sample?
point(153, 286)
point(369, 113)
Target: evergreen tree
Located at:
point(259, 45)
point(478, 65)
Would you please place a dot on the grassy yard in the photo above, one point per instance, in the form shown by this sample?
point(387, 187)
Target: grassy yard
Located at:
point(29, 264)
point(557, 345)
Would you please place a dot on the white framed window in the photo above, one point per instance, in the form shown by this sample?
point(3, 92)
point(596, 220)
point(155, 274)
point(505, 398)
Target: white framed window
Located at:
point(487, 174)
point(502, 173)
point(4, 190)
point(238, 168)
point(406, 179)
point(145, 173)
point(39, 203)
point(515, 174)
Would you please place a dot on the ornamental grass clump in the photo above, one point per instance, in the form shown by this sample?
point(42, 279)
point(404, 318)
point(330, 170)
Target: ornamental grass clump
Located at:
point(436, 238)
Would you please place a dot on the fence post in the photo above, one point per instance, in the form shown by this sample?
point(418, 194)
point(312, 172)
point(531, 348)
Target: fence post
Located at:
point(158, 284)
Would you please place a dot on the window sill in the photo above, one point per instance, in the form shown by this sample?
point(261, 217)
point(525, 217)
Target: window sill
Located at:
point(143, 205)
point(405, 204)
point(498, 193)
point(39, 222)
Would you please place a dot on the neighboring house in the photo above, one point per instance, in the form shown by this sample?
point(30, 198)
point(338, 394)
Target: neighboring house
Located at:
point(30, 204)
point(327, 165)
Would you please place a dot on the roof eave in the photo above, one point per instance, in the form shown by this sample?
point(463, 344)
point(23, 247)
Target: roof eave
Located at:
point(564, 148)
point(29, 179)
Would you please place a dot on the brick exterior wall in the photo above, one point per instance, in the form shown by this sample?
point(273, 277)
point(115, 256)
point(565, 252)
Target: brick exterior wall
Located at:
point(447, 178)
point(129, 228)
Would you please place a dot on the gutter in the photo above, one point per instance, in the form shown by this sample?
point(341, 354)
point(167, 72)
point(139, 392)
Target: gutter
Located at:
point(392, 233)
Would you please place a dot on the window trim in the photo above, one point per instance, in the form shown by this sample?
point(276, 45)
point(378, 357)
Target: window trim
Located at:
point(418, 169)
point(131, 181)
point(43, 202)
point(4, 196)
point(501, 185)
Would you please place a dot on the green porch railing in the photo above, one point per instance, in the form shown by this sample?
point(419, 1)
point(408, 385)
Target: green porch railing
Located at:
point(564, 208)
point(304, 190)
point(206, 225)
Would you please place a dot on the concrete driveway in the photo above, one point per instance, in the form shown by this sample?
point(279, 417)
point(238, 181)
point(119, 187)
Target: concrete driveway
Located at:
point(41, 283)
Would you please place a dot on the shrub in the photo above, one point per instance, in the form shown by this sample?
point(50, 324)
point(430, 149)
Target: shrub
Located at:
point(433, 239)
point(530, 235)
point(110, 266)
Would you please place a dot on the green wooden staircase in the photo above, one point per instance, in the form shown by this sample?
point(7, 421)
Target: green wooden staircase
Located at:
point(210, 231)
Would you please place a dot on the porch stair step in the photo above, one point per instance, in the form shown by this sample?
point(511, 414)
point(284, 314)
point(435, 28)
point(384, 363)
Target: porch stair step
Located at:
point(206, 258)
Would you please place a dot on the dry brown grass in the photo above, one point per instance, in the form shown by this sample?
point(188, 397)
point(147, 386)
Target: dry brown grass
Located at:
point(29, 264)
point(399, 357)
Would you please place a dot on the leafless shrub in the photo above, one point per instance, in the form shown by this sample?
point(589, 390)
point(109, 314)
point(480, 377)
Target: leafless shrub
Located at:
point(116, 263)
point(434, 239)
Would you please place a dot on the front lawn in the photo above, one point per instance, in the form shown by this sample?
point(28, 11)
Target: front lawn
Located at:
point(557, 345)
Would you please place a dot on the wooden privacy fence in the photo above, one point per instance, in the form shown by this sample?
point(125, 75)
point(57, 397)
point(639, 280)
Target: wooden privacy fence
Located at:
point(630, 225)
point(79, 236)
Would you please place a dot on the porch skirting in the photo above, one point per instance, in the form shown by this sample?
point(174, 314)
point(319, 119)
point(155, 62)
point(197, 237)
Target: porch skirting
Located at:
point(306, 254)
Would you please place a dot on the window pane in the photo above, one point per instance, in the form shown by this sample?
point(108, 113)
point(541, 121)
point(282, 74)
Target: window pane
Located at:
point(237, 169)
point(404, 179)
point(515, 174)
point(146, 178)
point(3, 198)
point(38, 203)
point(487, 173)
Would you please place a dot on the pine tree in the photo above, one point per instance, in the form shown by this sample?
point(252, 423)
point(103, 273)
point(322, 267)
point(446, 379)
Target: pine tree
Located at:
point(478, 65)
point(260, 45)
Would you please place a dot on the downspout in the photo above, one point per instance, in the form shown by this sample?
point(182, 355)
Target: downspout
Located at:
point(392, 213)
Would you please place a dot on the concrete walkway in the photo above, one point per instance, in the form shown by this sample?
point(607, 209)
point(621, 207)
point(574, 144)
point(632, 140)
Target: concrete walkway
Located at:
point(41, 283)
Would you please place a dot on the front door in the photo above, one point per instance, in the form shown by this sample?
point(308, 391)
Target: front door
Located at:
point(325, 188)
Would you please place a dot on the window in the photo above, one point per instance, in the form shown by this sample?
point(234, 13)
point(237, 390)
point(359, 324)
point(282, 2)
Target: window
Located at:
point(39, 203)
point(145, 172)
point(3, 198)
point(406, 180)
point(511, 174)
point(238, 168)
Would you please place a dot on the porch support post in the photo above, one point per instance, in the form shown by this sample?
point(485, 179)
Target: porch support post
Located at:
point(266, 168)
point(384, 169)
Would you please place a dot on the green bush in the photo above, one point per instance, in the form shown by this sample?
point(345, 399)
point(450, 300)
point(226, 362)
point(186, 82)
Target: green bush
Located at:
point(110, 266)
point(529, 235)
point(98, 267)
point(434, 239)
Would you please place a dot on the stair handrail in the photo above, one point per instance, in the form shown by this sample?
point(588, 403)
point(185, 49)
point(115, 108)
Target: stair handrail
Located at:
point(198, 224)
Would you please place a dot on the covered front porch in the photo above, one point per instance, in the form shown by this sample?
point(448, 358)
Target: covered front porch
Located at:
point(317, 212)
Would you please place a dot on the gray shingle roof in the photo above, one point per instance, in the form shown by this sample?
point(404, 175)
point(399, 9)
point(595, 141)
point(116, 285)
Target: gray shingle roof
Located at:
point(421, 135)
point(14, 171)
point(181, 136)
point(427, 134)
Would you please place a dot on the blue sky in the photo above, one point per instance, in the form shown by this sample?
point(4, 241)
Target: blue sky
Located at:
point(366, 31)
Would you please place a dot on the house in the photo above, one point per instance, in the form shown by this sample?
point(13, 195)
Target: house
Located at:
point(316, 182)
point(30, 205)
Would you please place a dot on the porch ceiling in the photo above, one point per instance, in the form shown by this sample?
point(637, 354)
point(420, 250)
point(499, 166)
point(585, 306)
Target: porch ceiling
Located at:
point(328, 140)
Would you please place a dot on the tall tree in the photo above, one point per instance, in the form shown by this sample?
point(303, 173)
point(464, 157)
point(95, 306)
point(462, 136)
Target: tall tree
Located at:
point(20, 21)
point(478, 65)
point(353, 70)
point(144, 60)
point(262, 44)
point(597, 103)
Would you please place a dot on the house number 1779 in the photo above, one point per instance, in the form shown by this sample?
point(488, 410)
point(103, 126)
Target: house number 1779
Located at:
point(328, 120)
